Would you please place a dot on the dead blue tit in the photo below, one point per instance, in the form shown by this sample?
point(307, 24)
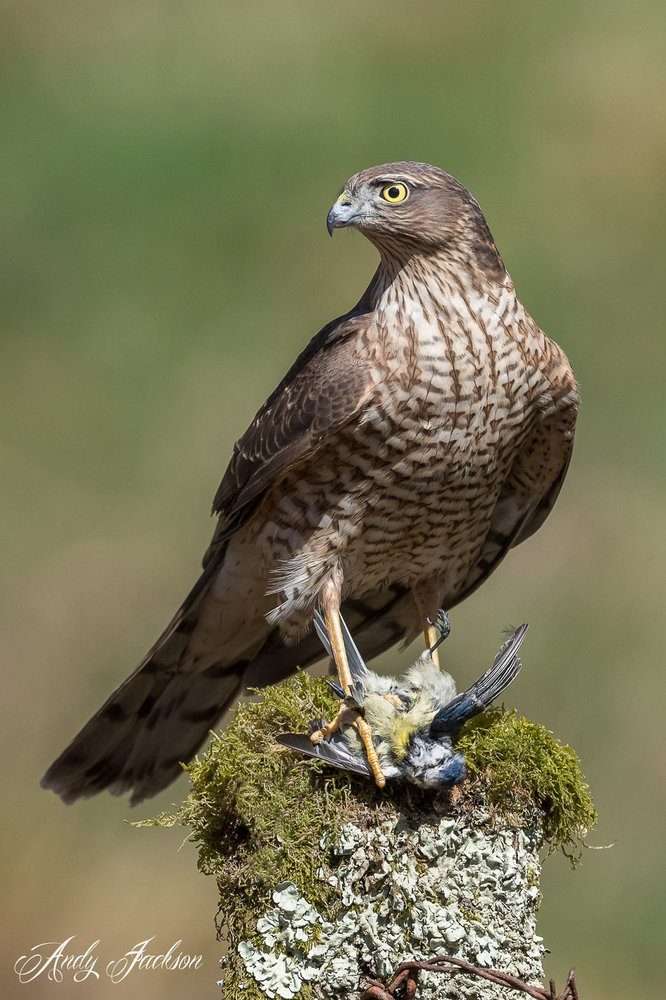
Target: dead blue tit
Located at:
point(414, 718)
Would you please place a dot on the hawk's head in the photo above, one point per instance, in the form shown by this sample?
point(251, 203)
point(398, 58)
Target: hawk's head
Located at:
point(416, 207)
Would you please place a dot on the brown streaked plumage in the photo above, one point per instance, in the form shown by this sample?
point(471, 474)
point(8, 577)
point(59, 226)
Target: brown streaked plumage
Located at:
point(414, 441)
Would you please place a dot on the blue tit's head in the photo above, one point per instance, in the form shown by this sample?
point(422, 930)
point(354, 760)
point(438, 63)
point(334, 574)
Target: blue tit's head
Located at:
point(454, 772)
point(433, 763)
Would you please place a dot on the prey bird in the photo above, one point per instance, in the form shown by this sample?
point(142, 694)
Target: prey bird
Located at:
point(414, 718)
point(415, 440)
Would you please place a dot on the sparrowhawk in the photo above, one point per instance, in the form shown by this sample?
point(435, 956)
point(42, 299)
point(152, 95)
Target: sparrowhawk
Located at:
point(414, 441)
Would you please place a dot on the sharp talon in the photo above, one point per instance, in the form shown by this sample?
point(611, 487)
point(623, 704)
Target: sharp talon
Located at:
point(335, 688)
point(349, 716)
point(345, 717)
point(437, 631)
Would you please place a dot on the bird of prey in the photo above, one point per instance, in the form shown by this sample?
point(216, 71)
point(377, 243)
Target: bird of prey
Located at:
point(414, 718)
point(414, 441)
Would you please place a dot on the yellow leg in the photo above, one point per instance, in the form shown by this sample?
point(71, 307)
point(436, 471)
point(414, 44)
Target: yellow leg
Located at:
point(334, 629)
point(430, 633)
point(365, 732)
point(431, 636)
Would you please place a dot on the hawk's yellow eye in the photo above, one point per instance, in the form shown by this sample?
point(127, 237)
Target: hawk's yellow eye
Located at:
point(395, 193)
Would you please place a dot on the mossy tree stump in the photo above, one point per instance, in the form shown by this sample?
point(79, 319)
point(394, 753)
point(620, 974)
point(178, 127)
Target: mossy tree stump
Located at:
point(325, 879)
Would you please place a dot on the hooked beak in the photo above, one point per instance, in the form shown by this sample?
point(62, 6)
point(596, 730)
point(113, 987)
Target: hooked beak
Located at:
point(342, 214)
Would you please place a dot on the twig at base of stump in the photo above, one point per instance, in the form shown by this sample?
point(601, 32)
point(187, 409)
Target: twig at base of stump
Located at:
point(406, 980)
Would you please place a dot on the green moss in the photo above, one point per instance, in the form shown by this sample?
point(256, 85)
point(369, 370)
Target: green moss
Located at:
point(519, 763)
point(258, 811)
point(252, 815)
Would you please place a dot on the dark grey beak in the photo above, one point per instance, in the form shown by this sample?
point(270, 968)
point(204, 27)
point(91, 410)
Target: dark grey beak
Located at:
point(342, 214)
point(330, 222)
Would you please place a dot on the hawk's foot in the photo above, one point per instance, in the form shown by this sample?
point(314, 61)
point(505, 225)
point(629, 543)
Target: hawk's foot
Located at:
point(352, 717)
point(438, 630)
point(435, 630)
point(346, 717)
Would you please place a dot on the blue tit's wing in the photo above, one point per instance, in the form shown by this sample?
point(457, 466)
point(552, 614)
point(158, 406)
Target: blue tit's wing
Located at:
point(335, 751)
point(359, 671)
point(506, 667)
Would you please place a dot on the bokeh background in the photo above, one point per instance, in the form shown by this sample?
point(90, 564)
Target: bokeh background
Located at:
point(165, 173)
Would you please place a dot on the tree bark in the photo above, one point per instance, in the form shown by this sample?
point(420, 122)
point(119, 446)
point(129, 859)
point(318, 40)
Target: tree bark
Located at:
point(412, 887)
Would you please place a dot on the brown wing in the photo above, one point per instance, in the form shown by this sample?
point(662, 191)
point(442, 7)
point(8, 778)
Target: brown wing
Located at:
point(328, 384)
point(536, 476)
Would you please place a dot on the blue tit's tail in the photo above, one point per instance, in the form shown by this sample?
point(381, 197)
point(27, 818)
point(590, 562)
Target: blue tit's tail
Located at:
point(335, 751)
point(506, 667)
point(359, 671)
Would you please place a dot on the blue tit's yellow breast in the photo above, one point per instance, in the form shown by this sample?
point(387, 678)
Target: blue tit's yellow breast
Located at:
point(396, 726)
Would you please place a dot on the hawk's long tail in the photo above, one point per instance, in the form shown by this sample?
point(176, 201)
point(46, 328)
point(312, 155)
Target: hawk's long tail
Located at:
point(163, 712)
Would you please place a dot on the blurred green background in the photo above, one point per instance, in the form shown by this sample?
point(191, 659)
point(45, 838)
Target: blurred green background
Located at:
point(166, 170)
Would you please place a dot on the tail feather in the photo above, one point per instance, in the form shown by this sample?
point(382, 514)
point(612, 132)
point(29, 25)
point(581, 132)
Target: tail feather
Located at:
point(159, 716)
point(335, 751)
point(175, 729)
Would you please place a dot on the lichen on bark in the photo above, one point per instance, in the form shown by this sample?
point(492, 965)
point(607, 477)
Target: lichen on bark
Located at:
point(416, 888)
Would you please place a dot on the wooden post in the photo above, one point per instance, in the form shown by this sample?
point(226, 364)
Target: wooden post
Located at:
point(414, 886)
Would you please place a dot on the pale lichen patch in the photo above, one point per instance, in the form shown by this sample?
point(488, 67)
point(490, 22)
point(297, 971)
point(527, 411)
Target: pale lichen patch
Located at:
point(477, 897)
